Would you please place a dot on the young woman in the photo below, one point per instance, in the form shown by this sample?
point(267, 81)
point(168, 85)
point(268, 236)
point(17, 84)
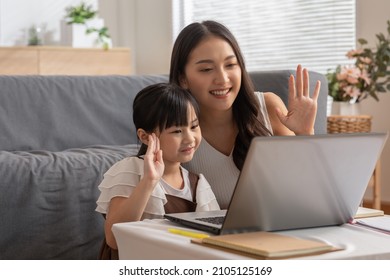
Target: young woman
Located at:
point(207, 61)
point(154, 182)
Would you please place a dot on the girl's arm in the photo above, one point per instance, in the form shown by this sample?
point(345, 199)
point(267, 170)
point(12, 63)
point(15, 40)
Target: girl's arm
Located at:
point(122, 209)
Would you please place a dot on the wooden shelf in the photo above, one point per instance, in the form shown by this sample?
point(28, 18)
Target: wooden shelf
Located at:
point(45, 60)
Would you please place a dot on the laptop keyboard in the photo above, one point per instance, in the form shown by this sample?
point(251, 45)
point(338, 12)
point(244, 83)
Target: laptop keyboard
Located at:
point(218, 220)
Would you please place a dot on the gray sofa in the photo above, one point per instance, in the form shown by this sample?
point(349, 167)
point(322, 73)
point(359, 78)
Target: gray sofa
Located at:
point(58, 135)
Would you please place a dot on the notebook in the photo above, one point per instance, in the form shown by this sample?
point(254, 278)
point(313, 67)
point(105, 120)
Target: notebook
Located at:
point(265, 245)
point(292, 182)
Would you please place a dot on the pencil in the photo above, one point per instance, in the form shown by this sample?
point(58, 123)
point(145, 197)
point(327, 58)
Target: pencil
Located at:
point(187, 233)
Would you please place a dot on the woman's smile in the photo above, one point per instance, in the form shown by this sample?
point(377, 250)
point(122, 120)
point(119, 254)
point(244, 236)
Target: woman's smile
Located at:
point(220, 92)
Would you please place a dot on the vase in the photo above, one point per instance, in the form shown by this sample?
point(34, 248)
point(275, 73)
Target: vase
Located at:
point(345, 108)
point(347, 118)
point(75, 35)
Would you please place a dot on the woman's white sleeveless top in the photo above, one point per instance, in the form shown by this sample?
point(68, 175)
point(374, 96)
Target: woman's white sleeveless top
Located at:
point(219, 169)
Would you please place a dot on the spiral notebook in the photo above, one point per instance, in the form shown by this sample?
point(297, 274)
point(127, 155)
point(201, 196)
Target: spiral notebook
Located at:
point(295, 182)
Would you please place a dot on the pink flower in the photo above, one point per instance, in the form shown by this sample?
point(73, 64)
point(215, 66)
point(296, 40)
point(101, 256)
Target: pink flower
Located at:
point(365, 77)
point(365, 60)
point(352, 91)
point(349, 74)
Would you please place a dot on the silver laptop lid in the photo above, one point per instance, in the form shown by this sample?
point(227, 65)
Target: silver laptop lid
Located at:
point(302, 181)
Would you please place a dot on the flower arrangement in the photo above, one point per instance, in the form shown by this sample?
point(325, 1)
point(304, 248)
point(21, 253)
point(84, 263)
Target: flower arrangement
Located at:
point(369, 74)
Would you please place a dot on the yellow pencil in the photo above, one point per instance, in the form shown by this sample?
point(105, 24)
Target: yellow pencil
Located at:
point(187, 233)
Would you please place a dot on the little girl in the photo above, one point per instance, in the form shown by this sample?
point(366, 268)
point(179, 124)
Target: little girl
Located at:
point(154, 182)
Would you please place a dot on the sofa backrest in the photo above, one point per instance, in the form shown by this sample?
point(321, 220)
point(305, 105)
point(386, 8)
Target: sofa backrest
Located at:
point(61, 112)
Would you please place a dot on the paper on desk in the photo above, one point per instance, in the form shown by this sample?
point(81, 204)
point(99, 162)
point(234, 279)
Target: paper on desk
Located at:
point(364, 212)
point(381, 223)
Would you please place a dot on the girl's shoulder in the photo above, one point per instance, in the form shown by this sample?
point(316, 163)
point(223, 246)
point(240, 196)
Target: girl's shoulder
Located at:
point(132, 164)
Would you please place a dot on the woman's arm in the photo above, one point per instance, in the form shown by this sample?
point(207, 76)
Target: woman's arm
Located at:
point(300, 116)
point(274, 102)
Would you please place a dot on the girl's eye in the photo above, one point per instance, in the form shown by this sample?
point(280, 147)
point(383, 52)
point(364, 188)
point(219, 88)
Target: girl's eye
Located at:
point(206, 70)
point(195, 126)
point(176, 131)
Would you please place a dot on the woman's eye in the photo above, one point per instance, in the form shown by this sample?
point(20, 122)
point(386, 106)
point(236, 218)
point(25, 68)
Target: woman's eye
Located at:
point(205, 70)
point(230, 65)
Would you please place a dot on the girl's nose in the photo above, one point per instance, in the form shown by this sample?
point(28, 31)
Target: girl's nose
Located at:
point(189, 137)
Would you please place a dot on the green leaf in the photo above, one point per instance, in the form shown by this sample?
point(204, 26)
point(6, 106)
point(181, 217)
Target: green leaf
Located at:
point(362, 41)
point(374, 95)
point(380, 88)
point(388, 27)
point(381, 37)
point(80, 13)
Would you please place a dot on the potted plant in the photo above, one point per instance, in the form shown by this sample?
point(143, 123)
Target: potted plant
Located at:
point(83, 15)
point(35, 36)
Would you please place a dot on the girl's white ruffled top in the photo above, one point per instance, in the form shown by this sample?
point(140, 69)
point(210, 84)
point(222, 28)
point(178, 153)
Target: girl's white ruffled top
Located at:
point(122, 178)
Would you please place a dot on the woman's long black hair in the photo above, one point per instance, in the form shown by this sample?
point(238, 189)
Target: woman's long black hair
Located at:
point(246, 111)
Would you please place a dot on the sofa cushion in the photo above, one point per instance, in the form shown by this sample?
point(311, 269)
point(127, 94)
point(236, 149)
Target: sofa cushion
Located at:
point(48, 201)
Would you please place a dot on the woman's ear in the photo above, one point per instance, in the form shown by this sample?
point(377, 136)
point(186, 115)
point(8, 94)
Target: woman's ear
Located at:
point(143, 136)
point(183, 82)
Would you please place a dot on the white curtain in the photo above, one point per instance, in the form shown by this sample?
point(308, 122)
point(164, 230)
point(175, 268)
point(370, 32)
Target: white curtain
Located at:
point(276, 35)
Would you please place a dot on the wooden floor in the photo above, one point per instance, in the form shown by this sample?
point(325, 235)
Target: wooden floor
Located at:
point(385, 206)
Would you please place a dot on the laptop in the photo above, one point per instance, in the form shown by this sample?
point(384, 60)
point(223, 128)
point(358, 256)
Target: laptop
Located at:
point(293, 182)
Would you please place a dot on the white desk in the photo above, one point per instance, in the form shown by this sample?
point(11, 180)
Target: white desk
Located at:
point(150, 239)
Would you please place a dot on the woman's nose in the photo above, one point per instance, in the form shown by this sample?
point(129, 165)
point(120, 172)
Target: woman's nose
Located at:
point(221, 77)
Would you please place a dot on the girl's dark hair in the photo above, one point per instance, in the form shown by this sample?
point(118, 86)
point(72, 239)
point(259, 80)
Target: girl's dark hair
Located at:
point(161, 106)
point(246, 111)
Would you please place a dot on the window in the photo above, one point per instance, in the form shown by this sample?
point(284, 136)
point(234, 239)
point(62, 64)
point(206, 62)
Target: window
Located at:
point(276, 35)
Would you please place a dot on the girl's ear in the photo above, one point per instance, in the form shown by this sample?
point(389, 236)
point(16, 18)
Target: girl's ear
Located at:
point(143, 136)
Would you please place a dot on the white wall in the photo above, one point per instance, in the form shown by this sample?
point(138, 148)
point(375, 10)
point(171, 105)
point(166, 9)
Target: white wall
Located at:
point(17, 16)
point(371, 18)
point(146, 27)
